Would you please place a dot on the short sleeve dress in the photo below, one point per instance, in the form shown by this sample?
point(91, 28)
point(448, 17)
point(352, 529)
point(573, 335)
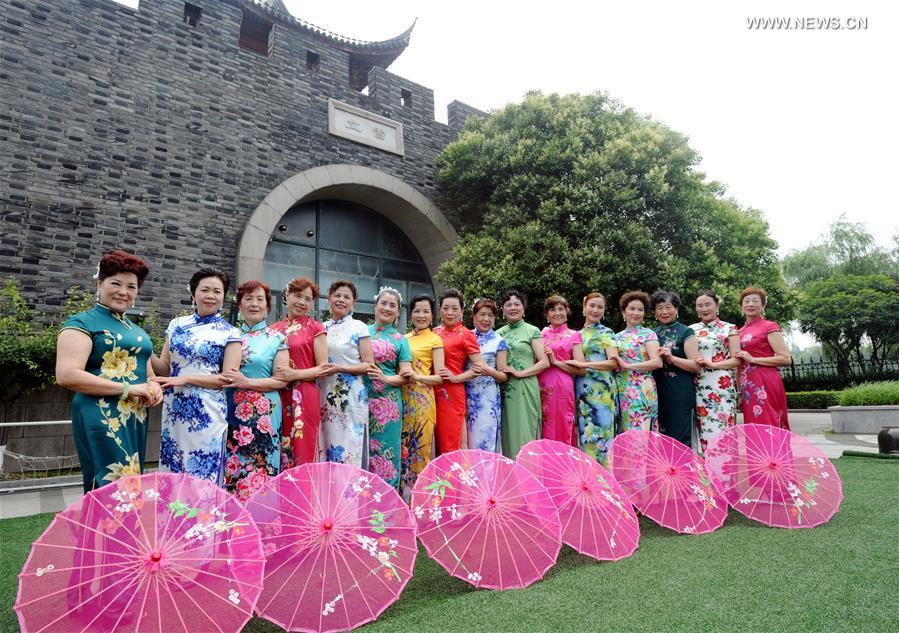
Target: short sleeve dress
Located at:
point(557, 386)
point(522, 412)
point(716, 389)
point(419, 408)
point(385, 404)
point(677, 390)
point(638, 403)
point(597, 395)
point(195, 419)
point(483, 409)
point(343, 397)
point(764, 399)
point(458, 343)
point(110, 433)
point(254, 418)
point(300, 400)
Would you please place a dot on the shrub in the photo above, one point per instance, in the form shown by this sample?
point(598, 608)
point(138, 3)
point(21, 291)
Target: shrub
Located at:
point(812, 399)
point(871, 394)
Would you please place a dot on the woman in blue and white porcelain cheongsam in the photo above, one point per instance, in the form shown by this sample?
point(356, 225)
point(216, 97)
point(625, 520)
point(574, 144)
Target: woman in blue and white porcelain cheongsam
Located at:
point(199, 349)
point(343, 434)
point(483, 416)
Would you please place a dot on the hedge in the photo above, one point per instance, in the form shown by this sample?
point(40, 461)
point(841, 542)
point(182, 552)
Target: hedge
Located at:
point(812, 399)
point(871, 394)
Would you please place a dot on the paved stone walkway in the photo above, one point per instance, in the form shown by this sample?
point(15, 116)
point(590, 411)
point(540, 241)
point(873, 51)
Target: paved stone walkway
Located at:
point(57, 496)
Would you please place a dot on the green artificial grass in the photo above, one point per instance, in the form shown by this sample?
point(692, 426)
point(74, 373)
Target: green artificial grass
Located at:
point(841, 576)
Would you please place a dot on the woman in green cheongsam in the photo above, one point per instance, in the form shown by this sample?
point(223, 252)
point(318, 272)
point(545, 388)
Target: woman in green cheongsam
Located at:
point(105, 359)
point(522, 413)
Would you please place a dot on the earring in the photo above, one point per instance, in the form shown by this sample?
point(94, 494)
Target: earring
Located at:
point(97, 295)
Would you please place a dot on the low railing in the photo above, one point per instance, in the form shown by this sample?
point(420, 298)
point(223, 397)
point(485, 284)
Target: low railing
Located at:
point(810, 375)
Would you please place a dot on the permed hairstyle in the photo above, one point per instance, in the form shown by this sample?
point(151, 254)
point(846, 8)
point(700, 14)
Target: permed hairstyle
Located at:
point(452, 293)
point(634, 295)
point(594, 295)
point(422, 297)
point(554, 300)
point(117, 261)
point(755, 290)
point(252, 286)
point(481, 302)
point(710, 294)
point(299, 284)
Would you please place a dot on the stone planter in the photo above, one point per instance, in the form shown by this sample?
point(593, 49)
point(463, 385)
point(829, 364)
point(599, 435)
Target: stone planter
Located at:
point(863, 420)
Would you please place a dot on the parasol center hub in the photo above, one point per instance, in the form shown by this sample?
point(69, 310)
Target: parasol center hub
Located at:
point(491, 502)
point(672, 471)
point(773, 465)
point(155, 561)
point(327, 526)
point(585, 487)
point(155, 557)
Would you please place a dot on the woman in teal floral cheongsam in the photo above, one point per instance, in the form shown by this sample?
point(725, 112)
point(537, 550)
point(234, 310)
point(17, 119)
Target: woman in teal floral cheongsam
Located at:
point(105, 358)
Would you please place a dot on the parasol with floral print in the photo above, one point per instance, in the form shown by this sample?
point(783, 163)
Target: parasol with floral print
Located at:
point(486, 519)
point(159, 552)
point(667, 482)
point(596, 514)
point(774, 476)
point(339, 543)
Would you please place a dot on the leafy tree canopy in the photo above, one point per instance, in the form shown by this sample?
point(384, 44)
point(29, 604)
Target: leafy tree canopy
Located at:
point(576, 193)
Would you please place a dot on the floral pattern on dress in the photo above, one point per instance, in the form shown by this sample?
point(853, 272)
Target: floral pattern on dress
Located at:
point(419, 409)
point(194, 419)
point(301, 406)
point(111, 432)
point(557, 386)
point(597, 395)
point(764, 399)
point(385, 404)
point(343, 434)
point(638, 405)
point(716, 389)
point(483, 413)
point(254, 418)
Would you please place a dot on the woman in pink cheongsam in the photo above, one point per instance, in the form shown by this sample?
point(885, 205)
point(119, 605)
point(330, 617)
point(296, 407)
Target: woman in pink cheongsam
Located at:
point(557, 383)
point(762, 350)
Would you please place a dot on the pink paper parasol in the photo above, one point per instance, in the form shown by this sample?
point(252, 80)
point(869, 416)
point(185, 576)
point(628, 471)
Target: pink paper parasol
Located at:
point(596, 514)
point(160, 552)
point(486, 519)
point(667, 482)
point(340, 547)
point(774, 476)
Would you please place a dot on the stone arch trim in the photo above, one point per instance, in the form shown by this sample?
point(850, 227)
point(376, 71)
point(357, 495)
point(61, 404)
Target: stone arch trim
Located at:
point(419, 218)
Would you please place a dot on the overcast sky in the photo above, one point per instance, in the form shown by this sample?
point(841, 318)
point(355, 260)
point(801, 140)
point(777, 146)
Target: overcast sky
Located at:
point(801, 124)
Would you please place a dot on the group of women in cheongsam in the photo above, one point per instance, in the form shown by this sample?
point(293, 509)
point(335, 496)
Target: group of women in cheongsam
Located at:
point(242, 403)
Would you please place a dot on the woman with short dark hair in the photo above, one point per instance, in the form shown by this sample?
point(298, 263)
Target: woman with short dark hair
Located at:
point(561, 344)
point(198, 350)
point(342, 394)
point(638, 356)
point(104, 358)
point(522, 412)
point(254, 404)
point(675, 380)
point(483, 414)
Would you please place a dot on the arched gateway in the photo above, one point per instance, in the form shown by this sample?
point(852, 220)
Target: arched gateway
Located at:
point(346, 221)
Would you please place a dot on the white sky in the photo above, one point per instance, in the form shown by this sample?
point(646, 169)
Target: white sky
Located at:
point(799, 124)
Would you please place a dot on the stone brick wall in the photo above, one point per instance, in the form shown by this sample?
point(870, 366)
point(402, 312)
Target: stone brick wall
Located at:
point(131, 128)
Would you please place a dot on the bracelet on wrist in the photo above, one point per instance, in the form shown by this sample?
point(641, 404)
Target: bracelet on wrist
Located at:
point(126, 387)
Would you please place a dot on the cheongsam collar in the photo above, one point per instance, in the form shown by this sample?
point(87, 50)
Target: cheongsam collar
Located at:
point(632, 328)
point(209, 318)
point(596, 325)
point(383, 328)
point(484, 336)
point(758, 319)
point(118, 316)
point(426, 330)
point(246, 329)
point(670, 326)
point(300, 320)
point(512, 326)
point(714, 323)
point(452, 328)
point(561, 329)
point(346, 317)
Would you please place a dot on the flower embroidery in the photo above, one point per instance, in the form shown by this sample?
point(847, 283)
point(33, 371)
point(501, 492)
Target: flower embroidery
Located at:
point(118, 363)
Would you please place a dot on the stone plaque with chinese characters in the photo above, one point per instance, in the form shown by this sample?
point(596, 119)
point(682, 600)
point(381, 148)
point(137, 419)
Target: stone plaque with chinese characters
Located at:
point(364, 127)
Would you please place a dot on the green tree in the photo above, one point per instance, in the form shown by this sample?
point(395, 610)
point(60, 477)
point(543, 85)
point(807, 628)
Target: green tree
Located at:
point(841, 310)
point(574, 193)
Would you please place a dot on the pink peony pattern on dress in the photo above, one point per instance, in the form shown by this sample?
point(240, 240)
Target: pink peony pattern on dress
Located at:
point(638, 400)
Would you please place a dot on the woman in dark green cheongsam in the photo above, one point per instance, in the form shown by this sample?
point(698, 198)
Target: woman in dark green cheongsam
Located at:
point(675, 380)
point(104, 357)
